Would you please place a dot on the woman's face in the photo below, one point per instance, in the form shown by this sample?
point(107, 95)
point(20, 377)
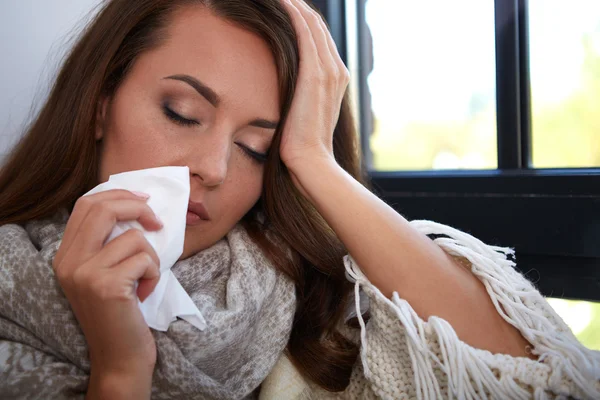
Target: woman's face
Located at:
point(208, 99)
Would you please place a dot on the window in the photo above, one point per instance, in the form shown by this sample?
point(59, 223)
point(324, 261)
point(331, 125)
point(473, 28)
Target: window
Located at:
point(527, 104)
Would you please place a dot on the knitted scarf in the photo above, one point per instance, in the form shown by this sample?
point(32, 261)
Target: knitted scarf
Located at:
point(248, 305)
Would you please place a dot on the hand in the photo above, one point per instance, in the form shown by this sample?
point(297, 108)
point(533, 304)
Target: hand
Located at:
point(322, 82)
point(100, 282)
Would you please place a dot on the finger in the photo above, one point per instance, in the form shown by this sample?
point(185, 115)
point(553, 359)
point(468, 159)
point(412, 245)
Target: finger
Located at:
point(139, 268)
point(306, 44)
point(83, 205)
point(146, 287)
point(81, 210)
point(142, 269)
point(118, 282)
point(318, 32)
point(338, 66)
point(127, 245)
point(102, 218)
point(333, 50)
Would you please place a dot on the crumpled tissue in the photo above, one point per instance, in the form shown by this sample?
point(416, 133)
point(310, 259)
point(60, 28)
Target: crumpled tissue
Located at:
point(169, 190)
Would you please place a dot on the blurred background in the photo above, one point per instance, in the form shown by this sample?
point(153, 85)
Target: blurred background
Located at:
point(432, 87)
point(34, 37)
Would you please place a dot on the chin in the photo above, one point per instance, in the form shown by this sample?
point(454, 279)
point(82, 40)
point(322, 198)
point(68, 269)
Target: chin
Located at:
point(195, 243)
point(190, 250)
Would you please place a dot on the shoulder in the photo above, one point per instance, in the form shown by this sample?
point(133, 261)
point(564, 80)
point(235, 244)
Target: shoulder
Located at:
point(10, 234)
point(11, 229)
point(15, 243)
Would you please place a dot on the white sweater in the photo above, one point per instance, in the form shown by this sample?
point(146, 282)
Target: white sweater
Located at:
point(404, 357)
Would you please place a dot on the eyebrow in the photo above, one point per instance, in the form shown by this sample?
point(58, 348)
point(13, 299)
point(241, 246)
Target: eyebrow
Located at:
point(263, 123)
point(213, 98)
point(200, 87)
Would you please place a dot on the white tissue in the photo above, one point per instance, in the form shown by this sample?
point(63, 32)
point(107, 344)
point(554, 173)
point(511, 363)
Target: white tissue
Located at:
point(169, 190)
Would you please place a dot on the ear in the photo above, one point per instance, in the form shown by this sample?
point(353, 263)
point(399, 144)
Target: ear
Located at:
point(101, 113)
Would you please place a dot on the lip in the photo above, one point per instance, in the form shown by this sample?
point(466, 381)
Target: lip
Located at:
point(197, 210)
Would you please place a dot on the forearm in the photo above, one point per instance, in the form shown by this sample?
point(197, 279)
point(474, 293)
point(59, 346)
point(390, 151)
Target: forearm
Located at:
point(397, 258)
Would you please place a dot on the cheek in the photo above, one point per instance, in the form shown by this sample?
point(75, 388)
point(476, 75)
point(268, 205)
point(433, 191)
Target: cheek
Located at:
point(134, 128)
point(132, 141)
point(246, 187)
point(254, 188)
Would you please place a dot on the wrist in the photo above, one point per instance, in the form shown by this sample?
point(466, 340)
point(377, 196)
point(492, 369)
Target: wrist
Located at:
point(313, 174)
point(119, 384)
point(308, 165)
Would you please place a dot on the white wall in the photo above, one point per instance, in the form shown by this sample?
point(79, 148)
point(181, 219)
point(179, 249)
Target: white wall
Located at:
point(34, 36)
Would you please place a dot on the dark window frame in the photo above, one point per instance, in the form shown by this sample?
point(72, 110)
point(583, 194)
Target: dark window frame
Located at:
point(551, 217)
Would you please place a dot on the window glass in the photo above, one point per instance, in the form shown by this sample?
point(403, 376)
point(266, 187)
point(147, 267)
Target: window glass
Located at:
point(432, 84)
point(582, 317)
point(564, 46)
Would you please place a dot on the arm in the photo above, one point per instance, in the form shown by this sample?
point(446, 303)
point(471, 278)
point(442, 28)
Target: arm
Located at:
point(392, 255)
point(397, 258)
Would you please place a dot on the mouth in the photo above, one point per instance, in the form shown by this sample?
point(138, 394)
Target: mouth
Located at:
point(196, 213)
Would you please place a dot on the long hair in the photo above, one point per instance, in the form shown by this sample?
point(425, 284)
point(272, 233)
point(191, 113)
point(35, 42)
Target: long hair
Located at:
point(56, 162)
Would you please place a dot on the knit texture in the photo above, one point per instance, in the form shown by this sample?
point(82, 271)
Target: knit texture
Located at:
point(249, 308)
point(405, 357)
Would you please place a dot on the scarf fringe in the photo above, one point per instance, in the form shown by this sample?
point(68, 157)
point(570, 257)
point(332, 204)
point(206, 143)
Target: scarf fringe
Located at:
point(515, 299)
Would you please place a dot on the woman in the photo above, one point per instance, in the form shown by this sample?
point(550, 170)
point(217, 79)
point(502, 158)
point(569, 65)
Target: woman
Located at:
point(250, 96)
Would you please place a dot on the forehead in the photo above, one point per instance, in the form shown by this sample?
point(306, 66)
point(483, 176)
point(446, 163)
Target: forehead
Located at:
point(236, 63)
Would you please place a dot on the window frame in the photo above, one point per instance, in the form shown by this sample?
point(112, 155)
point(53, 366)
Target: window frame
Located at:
point(551, 217)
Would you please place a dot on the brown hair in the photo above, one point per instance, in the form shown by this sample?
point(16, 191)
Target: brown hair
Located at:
point(57, 161)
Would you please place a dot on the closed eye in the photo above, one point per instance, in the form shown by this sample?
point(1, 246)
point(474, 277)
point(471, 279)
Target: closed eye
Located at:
point(261, 158)
point(178, 119)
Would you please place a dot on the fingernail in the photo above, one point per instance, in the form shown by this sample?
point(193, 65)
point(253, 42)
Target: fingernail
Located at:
point(159, 221)
point(144, 196)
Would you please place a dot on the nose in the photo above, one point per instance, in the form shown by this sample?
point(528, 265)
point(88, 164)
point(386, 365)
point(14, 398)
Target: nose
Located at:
point(208, 160)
